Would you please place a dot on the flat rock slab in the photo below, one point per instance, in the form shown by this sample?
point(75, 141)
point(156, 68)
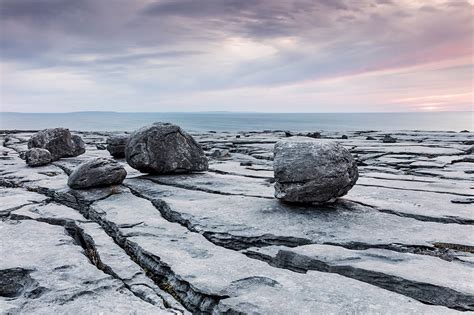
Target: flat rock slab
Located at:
point(411, 149)
point(56, 276)
point(442, 187)
point(239, 284)
point(406, 273)
point(426, 206)
point(218, 184)
point(234, 168)
point(11, 199)
point(249, 217)
point(107, 255)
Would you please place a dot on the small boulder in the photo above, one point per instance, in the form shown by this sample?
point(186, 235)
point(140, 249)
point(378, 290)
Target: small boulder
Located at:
point(22, 155)
point(312, 171)
point(344, 137)
point(163, 148)
point(58, 141)
point(37, 157)
point(116, 145)
point(389, 139)
point(315, 135)
point(246, 163)
point(219, 153)
point(370, 138)
point(97, 172)
point(100, 146)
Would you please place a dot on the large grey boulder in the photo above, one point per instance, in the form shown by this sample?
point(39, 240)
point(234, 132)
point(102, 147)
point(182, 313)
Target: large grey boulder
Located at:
point(97, 172)
point(116, 145)
point(37, 157)
point(58, 141)
point(312, 171)
point(163, 148)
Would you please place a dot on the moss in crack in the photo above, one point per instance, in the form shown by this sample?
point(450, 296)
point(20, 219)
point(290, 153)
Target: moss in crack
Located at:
point(168, 288)
point(161, 282)
point(94, 258)
point(87, 244)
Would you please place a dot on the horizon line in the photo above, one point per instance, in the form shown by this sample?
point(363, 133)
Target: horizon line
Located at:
point(236, 112)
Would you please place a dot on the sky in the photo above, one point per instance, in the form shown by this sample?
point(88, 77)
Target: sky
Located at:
point(236, 55)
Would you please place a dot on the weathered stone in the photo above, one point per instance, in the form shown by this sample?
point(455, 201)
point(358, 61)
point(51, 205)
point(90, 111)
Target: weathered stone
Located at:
point(58, 141)
point(37, 157)
point(13, 198)
point(389, 139)
point(116, 145)
point(163, 148)
point(239, 284)
point(312, 171)
point(406, 273)
point(97, 172)
point(79, 145)
point(219, 153)
point(237, 220)
point(47, 272)
point(315, 135)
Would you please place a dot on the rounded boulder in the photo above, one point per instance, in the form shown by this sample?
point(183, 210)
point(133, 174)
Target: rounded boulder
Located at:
point(37, 157)
point(163, 148)
point(312, 171)
point(58, 141)
point(96, 173)
point(116, 145)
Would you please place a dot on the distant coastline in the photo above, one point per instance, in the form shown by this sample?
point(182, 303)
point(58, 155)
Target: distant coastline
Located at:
point(242, 121)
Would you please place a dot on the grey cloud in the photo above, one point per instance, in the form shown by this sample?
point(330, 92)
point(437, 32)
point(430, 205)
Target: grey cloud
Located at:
point(191, 8)
point(40, 10)
point(336, 37)
point(143, 56)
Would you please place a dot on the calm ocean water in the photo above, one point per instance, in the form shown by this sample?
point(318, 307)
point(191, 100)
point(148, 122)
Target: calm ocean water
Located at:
point(226, 121)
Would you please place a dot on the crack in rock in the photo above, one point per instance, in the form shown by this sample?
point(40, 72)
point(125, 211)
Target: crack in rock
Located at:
point(160, 272)
point(82, 239)
point(419, 217)
point(423, 292)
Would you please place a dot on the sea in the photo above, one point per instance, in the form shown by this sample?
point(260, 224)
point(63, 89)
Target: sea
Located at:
point(242, 121)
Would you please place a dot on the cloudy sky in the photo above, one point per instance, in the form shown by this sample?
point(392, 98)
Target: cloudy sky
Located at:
point(236, 55)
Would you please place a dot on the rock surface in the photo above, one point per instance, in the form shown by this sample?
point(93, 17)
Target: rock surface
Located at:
point(116, 145)
point(400, 242)
point(312, 171)
point(97, 172)
point(58, 141)
point(78, 145)
point(164, 148)
point(37, 157)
